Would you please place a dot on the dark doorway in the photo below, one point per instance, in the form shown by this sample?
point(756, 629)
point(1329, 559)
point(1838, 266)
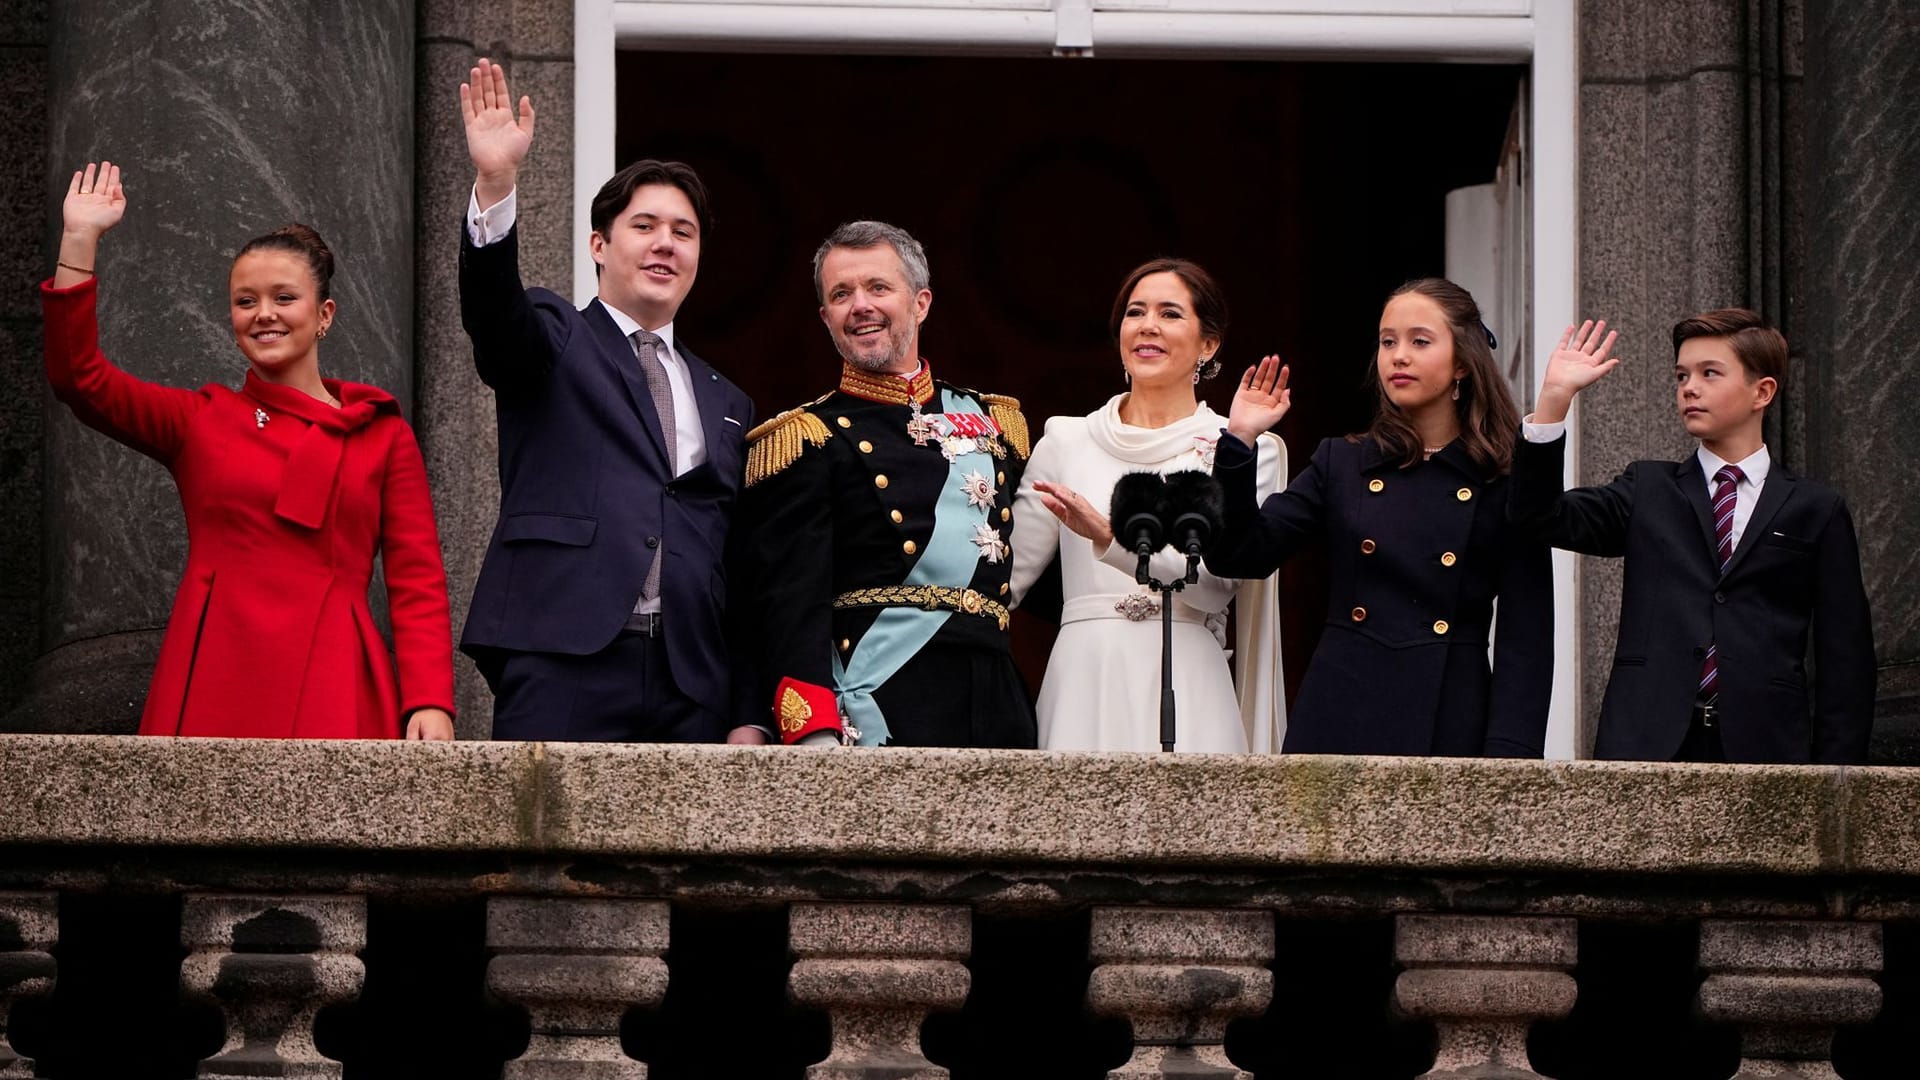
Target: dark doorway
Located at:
point(1310, 191)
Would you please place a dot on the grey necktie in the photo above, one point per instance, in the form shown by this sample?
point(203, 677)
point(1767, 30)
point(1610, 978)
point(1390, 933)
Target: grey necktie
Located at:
point(646, 345)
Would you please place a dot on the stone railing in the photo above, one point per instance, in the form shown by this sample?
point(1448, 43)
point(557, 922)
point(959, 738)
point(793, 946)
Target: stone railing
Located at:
point(1137, 915)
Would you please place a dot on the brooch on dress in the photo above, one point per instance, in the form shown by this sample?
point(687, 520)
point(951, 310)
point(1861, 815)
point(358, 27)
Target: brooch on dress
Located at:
point(1137, 607)
point(1206, 448)
point(260, 418)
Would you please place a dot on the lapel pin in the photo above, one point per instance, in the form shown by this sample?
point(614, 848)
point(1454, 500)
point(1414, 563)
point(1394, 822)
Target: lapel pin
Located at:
point(259, 418)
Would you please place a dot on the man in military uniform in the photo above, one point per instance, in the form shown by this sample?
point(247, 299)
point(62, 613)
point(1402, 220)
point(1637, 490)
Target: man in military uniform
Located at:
point(876, 525)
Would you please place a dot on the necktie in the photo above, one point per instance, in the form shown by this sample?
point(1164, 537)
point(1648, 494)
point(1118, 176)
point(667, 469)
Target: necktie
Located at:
point(1726, 483)
point(646, 346)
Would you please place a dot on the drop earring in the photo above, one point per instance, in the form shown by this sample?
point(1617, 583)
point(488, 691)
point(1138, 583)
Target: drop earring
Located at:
point(1456, 390)
point(1200, 367)
point(1126, 376)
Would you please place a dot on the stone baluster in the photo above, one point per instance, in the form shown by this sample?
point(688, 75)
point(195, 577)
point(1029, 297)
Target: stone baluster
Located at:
point(577, 966)
point(1788, 985)
point(1178, 976)
point(29, 927)
point(271, 963)
point(1483, 981)
point(877, 970)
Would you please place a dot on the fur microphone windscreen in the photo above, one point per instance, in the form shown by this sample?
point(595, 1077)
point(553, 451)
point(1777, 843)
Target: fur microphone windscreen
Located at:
point(1196, 506)
point(1137, 512)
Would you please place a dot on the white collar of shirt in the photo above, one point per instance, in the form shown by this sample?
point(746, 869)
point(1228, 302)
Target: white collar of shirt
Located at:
point(1753, 468)
point(629, 327)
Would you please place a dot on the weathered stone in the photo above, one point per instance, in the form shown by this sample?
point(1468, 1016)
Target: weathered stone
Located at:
point(877, 970)
point(1178, 977)
point(1788, 985)
point(577, 967)
point(29, 929)
point(270, 964)
point(1483, 981)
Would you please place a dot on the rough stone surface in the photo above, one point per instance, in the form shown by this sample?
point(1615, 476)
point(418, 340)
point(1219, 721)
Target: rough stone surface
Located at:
point(577, 967)
point(1802, 947)
point(1788, 985)
point(1459, 940)
point(887, 930)
point(270, 964)
point(29, 929)
point(623, 927)
point(1483, 981)
point(1178, 977)
point(877, 970)
point(1146, 935)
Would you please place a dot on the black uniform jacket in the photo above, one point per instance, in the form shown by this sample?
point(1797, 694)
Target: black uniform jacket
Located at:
point(1418, 556)
point(854, 513)
point(1795, 574)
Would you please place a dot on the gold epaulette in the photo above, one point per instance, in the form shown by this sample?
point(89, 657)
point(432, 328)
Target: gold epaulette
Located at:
point(1006, 412)
point(778, 443)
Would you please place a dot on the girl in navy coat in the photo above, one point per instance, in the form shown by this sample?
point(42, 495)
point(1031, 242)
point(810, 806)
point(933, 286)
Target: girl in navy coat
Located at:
point(1412, 515)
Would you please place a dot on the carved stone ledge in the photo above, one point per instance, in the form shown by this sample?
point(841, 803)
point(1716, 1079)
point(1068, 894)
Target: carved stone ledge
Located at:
point(1178, 976)
point(271, 963)
point(877, 970)
point(1483, 981)
point(577, 966)
point(29, 929)
point(1788, 985)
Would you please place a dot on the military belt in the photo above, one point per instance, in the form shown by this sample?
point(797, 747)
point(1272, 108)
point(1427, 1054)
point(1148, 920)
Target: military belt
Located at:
point(926, 598)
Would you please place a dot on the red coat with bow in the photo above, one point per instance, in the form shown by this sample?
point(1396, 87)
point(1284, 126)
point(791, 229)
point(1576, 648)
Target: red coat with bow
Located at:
point(287, 501)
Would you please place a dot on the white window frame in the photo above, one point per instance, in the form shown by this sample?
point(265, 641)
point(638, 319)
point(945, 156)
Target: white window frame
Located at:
point(1542, 33)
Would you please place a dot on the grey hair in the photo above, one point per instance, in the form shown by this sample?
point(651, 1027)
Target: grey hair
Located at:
point(871, 234)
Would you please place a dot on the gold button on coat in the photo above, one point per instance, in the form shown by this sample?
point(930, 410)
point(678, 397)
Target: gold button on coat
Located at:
point(845, 644)
point(1448, 559)
point(1003, 478)
point(897, 517)
point(1367, 546)
point(880, 481)
point(866, 447)
point(1005, 514)
point(1463, 494)
point(1359, 614)
point(1376, 485)
point(1003, 588)
point(1440, 626)
point(909, 547)
point(844, 422)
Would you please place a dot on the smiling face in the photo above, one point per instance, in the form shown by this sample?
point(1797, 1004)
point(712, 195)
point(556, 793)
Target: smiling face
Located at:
point(869, 309)
point(1160, 338)
point(1415, 361)
point(649, 254)
point(277, 315)
point(1716, 398)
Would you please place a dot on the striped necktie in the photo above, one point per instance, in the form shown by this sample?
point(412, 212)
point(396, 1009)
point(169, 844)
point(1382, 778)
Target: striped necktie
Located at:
point(1726, 484)
point(646, 346)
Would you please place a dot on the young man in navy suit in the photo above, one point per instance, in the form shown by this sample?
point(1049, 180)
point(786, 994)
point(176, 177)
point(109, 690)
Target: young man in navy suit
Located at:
point(597, 615)
point(1733, 564)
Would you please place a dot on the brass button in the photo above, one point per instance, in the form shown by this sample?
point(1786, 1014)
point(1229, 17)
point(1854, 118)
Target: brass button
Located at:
point(1448, 559)
point(897, 517)
point(1006, 514)
point(1376, 485)
point(1003, 478)
point(909, 547)
point(880, 481)
point(1003, 588)
point(1359, 614)
point(845, 644)
point(1463, 494)
point(1367, 546)
point(843, 422)
point(1440, 626)
point(866, 447)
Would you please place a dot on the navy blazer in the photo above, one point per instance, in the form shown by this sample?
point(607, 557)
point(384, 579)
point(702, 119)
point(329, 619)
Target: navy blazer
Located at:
point(587, 494)
point(1795, 575)
point(1417, 557)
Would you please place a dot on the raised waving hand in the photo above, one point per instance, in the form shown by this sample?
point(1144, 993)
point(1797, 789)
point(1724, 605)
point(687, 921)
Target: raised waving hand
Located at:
point(1579, 362)
point(497, 139)
point(95, 202)
point(1262, 399)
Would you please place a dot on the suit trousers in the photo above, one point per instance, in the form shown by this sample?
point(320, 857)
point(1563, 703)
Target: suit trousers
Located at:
point(623, 693)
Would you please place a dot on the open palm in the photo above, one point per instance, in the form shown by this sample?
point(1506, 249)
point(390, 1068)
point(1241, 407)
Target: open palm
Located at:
point(1260, 402)
point(1581, 359)
point(497, 140)
point(95, 201)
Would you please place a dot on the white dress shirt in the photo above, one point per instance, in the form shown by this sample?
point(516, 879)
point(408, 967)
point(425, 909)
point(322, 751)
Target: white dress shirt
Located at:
point(1746, 494)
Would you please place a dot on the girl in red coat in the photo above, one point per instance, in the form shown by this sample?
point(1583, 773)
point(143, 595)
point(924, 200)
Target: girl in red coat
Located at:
point(291, 486)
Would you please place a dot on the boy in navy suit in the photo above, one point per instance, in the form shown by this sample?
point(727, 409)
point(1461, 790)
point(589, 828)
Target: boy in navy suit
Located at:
point(1733, 564)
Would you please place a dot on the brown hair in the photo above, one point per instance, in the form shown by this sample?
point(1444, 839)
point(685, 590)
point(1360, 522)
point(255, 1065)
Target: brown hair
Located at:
point(301, 240)
point(1489, 422)
point(1761, 349)
point(618, 191)
point(1209, 303)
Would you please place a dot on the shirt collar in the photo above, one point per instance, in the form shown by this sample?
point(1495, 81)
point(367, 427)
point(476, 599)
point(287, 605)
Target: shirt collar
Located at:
point(628, 326)
point(1753, 467)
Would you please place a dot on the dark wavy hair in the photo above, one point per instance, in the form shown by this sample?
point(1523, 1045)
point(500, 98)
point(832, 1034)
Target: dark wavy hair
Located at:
point(1209, 302)
point(1489, 422)
point(301, 240)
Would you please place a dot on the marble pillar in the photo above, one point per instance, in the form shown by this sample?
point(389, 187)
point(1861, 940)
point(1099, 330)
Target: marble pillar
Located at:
point(1863, 312)
point(577, 966)
point(534, 39)
point(1788, 985)
point(1483, 981)
point(229, 121)
point(877, 970)
point(1178, 976)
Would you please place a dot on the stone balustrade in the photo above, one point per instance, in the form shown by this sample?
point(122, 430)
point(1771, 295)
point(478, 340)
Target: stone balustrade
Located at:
point(850, 886)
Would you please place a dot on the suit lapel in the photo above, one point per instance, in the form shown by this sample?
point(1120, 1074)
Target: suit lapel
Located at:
point(707, 396)
point(615, 349)
point(1773, 495)
point(1693, 488)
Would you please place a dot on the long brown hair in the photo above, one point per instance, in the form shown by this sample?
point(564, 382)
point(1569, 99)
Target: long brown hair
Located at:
point(1489, 422)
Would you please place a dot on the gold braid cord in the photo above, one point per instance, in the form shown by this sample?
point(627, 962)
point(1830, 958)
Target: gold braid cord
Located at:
point(779, 442)
point(926, 598)
point(1006, 412)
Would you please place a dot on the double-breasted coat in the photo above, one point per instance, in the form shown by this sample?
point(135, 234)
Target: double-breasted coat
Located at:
point(287, 502)
point(1418, 555)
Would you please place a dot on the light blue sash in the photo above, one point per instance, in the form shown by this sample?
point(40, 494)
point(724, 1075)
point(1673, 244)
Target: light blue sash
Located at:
point(949, 559)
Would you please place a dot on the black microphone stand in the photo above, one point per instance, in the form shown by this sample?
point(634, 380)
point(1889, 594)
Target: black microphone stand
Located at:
point(1144, 575)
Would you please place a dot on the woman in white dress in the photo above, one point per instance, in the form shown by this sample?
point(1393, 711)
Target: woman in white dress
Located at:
point(1102, 687)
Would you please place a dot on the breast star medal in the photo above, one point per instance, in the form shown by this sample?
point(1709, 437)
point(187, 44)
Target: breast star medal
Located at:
point(979, 490)
point(987, 539)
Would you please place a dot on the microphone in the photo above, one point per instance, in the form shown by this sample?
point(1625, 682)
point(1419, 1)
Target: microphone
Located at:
point(1136, 513)
point(1198, 507)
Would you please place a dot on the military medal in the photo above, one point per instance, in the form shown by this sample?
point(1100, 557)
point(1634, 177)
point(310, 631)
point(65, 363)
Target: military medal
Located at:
point(987, 539)
point(920, 428)
point(979, 490)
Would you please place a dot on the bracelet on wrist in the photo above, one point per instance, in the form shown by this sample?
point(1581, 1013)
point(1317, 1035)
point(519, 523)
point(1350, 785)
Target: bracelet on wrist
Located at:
point(75, 269)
